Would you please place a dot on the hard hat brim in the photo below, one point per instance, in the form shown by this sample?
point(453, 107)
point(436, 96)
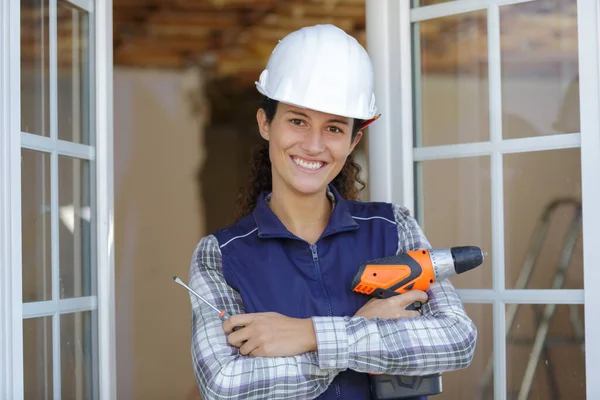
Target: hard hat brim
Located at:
point(368, 120)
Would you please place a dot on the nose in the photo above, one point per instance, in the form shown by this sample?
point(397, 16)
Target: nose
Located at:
point(313, 142)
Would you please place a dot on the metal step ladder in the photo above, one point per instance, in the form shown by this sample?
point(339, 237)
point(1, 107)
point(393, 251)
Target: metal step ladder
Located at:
point(542, 313)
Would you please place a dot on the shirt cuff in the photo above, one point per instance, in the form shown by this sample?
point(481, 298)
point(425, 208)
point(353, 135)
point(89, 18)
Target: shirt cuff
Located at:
point(332, 342)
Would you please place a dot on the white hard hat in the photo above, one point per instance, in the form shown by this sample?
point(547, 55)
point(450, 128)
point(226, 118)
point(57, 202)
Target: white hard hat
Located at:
point(321, 68)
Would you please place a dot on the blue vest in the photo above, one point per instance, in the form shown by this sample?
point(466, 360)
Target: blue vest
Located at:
point(275, 271)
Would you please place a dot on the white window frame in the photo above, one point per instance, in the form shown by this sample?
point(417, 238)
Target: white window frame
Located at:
point(391, 154)
point(11, 341)
point(12, 140)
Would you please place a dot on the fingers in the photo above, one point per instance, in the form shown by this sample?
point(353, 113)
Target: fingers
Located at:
point(248, 348)
point(239, 337)
point(238, 320)
point(235, 329)
point(412, 296)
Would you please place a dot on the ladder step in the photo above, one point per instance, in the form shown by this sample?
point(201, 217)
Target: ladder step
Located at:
point(548, 342)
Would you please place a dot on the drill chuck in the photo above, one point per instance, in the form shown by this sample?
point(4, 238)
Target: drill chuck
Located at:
point(455, 260)
point(466, 258)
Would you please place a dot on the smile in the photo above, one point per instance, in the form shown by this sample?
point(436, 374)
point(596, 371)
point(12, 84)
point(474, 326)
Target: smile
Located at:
point(309, 165)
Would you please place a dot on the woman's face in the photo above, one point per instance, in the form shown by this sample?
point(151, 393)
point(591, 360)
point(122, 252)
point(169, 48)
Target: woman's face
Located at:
point(307, 148)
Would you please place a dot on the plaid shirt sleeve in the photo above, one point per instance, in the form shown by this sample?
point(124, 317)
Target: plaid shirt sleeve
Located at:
point(221, 372)
point(443, 339)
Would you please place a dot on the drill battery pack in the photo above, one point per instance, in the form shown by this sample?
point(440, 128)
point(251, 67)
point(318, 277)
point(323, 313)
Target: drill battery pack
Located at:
point(392, 387)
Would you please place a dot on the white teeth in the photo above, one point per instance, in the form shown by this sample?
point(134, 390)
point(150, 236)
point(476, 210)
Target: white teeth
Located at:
point(308, 165)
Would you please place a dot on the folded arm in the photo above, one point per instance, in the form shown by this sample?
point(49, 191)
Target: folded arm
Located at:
point(441, 340)
point(221, 371)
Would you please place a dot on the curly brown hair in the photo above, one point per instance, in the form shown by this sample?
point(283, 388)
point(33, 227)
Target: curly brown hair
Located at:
point(348, 182)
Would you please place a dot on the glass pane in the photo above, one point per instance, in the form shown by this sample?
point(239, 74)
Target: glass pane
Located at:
point(73, 74)
point(76, 273)
point(477, 381)
point(37, 358)
point(542, 219)
point(452, 90)
point(540, 81)
point(78, 355)
point(457, 210)
point(557, 370)
point(35, 230)
point(35, 87)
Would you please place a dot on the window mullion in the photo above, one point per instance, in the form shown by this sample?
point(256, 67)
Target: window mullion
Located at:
point(497, 198)
point(54, 199)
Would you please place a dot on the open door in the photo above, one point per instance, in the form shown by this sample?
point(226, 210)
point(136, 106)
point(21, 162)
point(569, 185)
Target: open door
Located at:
point(490, 135)
point(56, 200)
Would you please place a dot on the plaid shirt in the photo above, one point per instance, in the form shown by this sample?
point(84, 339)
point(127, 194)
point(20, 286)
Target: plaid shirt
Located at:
point(443, 339)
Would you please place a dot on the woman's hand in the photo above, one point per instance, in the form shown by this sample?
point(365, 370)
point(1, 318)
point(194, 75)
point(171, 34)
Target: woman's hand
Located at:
point(392, 307)
point(270, 334)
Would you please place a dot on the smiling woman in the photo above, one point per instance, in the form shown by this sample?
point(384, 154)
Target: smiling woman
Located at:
point(313, 150)
point(302, 235)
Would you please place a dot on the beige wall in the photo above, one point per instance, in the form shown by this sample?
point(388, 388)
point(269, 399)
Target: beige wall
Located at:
point(157, 226)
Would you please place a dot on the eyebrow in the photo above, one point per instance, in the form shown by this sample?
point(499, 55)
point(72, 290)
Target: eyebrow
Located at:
point(301, 114)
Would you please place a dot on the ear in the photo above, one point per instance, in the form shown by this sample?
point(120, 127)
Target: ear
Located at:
point(263, 124)
point(356, 140)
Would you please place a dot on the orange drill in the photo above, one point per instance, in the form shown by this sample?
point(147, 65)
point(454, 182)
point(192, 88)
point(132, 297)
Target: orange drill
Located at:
point(413, 270)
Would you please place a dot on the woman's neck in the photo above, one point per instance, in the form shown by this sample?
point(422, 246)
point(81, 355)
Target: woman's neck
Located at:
point(304, 216)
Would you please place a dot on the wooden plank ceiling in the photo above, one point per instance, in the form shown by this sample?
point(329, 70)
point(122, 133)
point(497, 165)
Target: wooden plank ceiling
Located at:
point(232, 39)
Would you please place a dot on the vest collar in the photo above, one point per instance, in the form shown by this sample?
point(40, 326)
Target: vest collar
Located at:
point(269, 225)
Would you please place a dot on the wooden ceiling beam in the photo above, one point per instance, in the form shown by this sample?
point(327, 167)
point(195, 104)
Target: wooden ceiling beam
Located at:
point(173, 32)
point(149, 56)
point(223, 6)
point(227, 4)
point(212, 20)
point(130, 14)
point(333, 3)
point(183, 45)
point(118, 4)
point(299, 9)
point(291, 23)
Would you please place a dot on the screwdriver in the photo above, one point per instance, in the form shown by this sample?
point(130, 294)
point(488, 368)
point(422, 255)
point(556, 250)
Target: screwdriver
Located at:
point(223, 314)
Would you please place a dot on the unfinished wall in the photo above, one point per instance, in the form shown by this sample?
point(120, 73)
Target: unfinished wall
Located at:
point(158, 222)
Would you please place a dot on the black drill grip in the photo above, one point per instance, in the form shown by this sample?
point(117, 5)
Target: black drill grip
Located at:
point(392, 387)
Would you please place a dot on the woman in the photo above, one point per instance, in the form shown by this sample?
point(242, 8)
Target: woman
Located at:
point(284, 269)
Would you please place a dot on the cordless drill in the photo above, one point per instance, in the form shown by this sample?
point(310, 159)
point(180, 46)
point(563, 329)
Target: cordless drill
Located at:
point(413, 270)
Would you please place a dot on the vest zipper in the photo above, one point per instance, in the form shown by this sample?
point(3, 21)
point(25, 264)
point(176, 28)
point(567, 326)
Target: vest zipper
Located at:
point(315, 257)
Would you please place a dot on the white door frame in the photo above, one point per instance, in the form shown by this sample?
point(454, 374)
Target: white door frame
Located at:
point(11, 340)
point(391, 154)
point(11, 140)
point(588, 12)
point(103, 68)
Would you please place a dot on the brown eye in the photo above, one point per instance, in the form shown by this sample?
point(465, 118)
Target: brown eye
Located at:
point(335, 129)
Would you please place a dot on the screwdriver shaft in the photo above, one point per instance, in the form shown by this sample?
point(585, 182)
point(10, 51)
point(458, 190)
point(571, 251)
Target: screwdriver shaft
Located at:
point(176, 279)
